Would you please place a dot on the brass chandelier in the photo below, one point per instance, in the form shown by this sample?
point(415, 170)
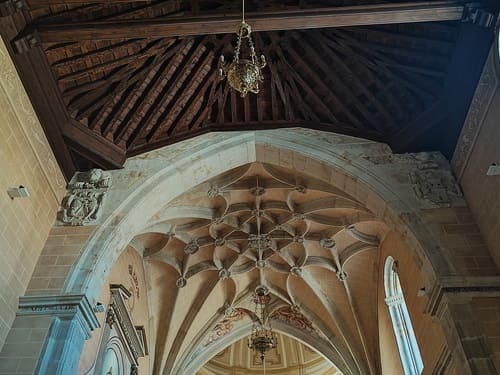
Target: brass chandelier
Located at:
point(262, 338)
point(243, 74)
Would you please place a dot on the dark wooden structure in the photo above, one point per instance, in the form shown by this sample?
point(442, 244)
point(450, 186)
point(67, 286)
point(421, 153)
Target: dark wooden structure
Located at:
point(110, 79)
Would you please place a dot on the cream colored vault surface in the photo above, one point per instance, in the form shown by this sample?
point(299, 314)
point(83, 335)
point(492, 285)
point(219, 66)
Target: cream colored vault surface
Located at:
point(319, 259)
point(289, 358)
point(315, 201)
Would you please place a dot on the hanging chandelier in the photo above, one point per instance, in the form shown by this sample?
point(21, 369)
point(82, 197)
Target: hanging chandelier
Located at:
point(262, 338)
point(243, 74)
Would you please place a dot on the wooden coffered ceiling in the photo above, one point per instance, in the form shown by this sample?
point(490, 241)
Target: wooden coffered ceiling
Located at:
point(110, 79)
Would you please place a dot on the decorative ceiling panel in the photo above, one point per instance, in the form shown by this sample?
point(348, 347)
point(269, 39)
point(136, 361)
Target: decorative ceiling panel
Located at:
point(115, 79)
point(307, 242)
point(290, 356)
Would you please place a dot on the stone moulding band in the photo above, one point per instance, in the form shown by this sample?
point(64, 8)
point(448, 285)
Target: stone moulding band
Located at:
point(119, 316)
point(462, 287)
point(62, 306)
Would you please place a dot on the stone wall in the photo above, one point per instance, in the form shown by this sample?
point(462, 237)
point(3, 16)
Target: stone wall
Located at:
point(25, 159)
point(430, 337)
point(477, 148)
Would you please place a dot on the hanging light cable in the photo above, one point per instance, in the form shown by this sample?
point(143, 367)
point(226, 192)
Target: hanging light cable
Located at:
point(243, 74)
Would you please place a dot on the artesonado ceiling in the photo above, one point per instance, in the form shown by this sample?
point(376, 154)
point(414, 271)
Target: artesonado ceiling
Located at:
point(319, 261)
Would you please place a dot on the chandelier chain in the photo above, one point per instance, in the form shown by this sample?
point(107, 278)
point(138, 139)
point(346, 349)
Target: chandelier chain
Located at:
point(244, 73)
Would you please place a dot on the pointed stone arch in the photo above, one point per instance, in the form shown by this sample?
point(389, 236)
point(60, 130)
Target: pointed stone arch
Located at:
point(409, 193)
point(159, 176)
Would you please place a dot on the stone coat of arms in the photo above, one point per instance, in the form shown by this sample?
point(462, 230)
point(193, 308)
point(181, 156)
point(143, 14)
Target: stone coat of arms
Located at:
point(84, 198)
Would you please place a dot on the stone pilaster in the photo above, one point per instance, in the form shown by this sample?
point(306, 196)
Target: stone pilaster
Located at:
point(61, 323)
point(453, 303)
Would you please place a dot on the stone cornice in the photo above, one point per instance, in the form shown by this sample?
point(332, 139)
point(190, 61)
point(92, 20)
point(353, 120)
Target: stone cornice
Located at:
point(118, 316)
point(63, 306)
point(463, 288)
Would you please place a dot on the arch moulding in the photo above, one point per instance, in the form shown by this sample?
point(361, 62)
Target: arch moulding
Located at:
point(364, 169)
point(410, 193)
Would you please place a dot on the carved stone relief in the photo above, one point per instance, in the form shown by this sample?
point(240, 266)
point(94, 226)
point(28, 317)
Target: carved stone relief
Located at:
point(84, 198)
point(435, 185)
point(428, 173)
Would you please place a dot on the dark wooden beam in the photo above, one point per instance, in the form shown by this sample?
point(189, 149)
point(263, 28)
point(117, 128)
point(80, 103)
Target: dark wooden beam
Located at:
point(262, 21)
point(93, 147)
point(35, 74)
point(48, 3)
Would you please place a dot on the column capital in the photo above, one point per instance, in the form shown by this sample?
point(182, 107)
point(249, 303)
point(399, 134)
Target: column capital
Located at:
point(394, 300)
point(63, 306)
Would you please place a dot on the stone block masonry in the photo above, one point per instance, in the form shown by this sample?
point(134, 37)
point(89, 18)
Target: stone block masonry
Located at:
point(25, 159)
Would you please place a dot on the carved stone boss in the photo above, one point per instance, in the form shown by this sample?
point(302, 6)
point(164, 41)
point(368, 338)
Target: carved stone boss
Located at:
point(84, 198)
point(118, 317)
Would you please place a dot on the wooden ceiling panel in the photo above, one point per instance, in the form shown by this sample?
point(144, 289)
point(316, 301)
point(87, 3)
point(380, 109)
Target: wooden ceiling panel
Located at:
point(146, 92)
point(138, 92)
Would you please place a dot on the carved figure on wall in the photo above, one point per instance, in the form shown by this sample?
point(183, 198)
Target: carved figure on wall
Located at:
point(84, 198)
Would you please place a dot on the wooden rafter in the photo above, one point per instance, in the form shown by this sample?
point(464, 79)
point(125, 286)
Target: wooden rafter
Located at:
point(121, 78)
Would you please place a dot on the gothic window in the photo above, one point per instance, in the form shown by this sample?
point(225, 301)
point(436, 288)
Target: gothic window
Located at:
point(401, 323)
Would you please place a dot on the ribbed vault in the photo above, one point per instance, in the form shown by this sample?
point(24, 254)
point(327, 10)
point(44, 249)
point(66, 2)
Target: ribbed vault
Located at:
point(319, 261)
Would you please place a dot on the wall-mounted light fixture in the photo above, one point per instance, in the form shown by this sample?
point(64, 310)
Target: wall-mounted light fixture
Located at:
point(493, 170)
point(18, 192)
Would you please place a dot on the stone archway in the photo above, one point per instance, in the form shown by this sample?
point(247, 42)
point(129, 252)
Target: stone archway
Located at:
point(345, 162)
point(394, 188)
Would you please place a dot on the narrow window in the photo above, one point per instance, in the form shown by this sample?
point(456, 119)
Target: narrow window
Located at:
point(401, 323)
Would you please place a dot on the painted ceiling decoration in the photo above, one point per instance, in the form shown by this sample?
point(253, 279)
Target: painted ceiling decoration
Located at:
point(289, 358)
point(114, 79)
point(317, 243)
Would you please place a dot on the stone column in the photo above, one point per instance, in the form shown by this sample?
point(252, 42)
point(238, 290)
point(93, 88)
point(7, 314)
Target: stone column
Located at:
point(48, 335)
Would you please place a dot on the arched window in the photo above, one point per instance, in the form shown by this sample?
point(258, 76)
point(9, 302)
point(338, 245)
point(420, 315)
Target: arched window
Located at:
point(401, 323)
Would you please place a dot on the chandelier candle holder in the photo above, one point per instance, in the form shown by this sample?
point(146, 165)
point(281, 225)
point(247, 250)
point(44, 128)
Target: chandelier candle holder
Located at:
point(243, 74)
point(262, 339)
